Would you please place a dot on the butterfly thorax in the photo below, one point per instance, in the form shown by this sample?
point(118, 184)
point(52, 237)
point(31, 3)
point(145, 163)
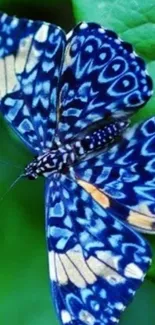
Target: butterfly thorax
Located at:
point(65, 155)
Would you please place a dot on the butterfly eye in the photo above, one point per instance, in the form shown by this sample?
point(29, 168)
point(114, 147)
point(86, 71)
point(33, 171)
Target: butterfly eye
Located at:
point(32, 176)
point(30, 173)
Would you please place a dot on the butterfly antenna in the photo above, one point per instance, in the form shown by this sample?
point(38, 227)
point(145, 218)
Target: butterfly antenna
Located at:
point(11, 186)
point(10, 164)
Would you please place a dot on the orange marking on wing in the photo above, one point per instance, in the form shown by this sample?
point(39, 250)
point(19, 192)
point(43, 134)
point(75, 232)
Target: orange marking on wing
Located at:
point(97, 195)
point(143, 219)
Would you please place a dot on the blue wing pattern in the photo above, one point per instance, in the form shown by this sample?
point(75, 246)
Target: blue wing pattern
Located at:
point(96, 262)
point(126, 173)
point(102, 77)
point(51, 87)
point(30, 62)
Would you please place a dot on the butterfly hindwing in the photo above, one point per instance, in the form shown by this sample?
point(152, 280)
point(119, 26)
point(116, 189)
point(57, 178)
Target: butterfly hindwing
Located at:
point(30, 62)
point(96, 263)
point(102, 77)
point(126, 173)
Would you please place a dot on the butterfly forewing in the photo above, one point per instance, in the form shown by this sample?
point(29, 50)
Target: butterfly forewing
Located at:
point(126, 173)
point(96, 263)
point(30, 62)
point(102, 78)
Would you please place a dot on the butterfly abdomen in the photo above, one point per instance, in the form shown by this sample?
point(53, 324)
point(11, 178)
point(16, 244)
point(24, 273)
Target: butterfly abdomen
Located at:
point(101, 137)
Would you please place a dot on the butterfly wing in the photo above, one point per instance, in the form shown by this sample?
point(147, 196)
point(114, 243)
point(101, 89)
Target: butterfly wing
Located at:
point(102, 77)
point(126, 173)
point(30, 62)
point(96, 262)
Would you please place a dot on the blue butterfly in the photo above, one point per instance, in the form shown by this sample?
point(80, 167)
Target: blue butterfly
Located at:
point(69, 98)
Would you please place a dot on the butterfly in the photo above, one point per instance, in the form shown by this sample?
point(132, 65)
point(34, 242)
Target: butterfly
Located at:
point(69, 98)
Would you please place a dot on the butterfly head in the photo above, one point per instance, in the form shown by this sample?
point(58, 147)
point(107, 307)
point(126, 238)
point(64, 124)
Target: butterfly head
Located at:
point(42, 165)
point(31, 170)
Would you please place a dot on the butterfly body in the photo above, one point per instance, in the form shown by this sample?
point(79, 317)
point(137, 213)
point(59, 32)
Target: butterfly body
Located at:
point(63, 156)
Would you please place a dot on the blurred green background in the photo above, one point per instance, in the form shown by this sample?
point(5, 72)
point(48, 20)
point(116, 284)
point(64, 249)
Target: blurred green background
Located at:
point(24, 284)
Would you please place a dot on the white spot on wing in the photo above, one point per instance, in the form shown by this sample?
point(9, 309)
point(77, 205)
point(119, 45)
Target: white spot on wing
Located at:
point(65, 316)
point(22, 54)
point(72, 272)
point(114, 319)
point(42, 33)
point(104, 271)
point(101, 30)
point(86, 317)
point(119, 306)
point(11, 79)
point(77, 258)
point(69, 34)
point(133, 271)
point(60, 272)
point(83, 25)
point(33, 59)
point(2, 79)
point(52, 266)
point(109, 259)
